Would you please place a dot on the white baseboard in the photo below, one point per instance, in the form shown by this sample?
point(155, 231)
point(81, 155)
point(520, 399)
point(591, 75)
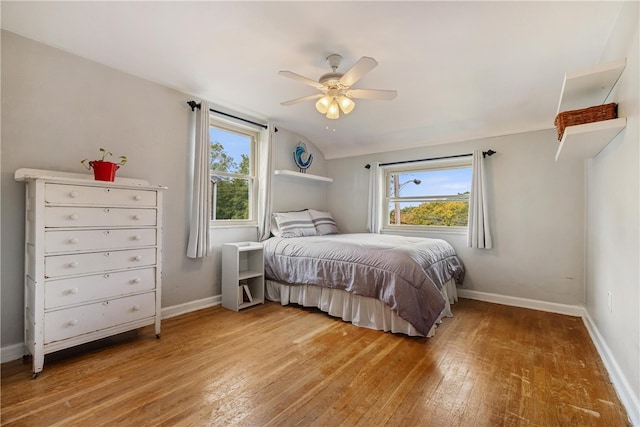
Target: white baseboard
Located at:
point(11, 352)
point(630, 401)
point(188, 307)
point(551, 307)
point(16, 351)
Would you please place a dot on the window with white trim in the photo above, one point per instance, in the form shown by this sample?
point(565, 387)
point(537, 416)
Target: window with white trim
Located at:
point(428, 195)
point(232, 165)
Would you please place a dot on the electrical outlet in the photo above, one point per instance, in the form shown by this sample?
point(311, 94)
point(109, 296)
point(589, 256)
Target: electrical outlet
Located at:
point(610, 301)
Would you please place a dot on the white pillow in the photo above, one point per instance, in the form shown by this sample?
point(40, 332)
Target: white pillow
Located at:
point(324, 222)
point(295, 224)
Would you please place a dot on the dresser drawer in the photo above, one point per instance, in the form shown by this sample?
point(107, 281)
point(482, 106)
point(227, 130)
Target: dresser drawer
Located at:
point(62, 324)
point(84, 240)
point(96, 262)
point(78, 290)
point(98, 217)
point(84, 195)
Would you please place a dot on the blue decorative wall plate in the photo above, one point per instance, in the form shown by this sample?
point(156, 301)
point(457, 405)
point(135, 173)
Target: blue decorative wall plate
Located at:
point(302, 158)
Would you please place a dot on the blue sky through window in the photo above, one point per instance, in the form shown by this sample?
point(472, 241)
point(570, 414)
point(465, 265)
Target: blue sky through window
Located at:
point(234, 145)
point(436, 182)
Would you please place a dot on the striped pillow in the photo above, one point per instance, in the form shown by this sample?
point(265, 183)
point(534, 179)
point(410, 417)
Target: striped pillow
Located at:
point(324, 222)
point(294, 224)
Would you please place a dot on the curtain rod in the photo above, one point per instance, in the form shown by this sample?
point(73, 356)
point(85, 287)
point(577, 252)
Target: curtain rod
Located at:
point(484, 154)
point(195, 105)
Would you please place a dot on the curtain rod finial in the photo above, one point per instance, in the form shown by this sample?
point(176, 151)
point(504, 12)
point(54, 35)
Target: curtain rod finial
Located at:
point(193, 105)
point(488, 153)
point(367, 166)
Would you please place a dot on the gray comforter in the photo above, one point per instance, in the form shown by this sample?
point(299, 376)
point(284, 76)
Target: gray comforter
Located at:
point(405, 273)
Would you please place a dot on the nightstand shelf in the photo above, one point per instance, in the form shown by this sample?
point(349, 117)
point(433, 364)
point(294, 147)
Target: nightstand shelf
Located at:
point(242, 275)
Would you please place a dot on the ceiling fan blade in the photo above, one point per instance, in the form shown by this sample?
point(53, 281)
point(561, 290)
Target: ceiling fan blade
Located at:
point(384, 95)
point(358, 70)
point(304, 98)
point(302, 79)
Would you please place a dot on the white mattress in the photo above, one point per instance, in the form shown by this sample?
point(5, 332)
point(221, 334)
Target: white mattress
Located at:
point(361, 311)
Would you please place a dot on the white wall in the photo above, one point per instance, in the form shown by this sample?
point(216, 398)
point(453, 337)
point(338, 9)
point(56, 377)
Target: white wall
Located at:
point(537, 215)
point(613, 224)
point(58, 109)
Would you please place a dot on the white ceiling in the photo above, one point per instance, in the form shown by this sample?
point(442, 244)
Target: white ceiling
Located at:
point(462, 70)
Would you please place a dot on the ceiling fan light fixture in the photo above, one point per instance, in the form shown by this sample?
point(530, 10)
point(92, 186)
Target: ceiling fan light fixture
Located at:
point(336, 92)
point(323, 104)
point(334, 111)
point(346, 104)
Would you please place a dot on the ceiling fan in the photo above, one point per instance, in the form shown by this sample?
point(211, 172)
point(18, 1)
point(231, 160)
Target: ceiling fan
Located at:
point(335, 88)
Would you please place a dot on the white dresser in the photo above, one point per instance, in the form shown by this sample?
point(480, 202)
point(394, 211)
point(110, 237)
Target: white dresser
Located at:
point(93, 257)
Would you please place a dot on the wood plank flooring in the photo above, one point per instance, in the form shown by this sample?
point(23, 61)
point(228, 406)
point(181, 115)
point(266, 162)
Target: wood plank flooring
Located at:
point(490, 365)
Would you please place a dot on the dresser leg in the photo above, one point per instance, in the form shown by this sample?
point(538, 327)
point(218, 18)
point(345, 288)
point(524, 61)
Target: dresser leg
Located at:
point(35, 375)
point(158, 336)
point(37, 363)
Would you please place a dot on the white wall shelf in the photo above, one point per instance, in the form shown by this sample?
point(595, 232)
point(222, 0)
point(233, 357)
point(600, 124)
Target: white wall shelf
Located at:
point(587, 140)
point(586, 88)
point(308, 176)
point(590, 86)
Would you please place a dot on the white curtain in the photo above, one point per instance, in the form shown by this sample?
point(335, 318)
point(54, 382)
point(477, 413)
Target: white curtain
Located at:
point(199, 239)
point(265, 176)
point(479, 234)
point(375, 198)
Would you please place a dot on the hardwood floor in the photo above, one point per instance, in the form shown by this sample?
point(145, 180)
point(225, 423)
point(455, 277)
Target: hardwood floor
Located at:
point(490, 365)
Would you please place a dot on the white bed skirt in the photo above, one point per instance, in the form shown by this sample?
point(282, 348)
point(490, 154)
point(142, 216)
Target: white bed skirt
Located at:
point(361, 311)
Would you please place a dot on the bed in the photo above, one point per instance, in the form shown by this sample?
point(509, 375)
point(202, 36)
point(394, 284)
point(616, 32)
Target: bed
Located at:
point(386, 282)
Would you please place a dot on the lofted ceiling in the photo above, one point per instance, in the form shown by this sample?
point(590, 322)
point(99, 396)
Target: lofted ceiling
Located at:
point(463, 70)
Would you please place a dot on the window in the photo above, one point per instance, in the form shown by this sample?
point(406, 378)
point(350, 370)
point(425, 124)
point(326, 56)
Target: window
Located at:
point(430, 194)
point(232, 164)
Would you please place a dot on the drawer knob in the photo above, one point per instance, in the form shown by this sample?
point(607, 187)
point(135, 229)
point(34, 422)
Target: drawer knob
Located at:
point(73, 291)
point(137, 216)
point(137, 197)
point(73, 322)
point(73, 264)
point(136, 280)
point(74, 194)
point(73, 240)
point(137, 237)
point(73, 216)
point(136, 307)
point(137, 258)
